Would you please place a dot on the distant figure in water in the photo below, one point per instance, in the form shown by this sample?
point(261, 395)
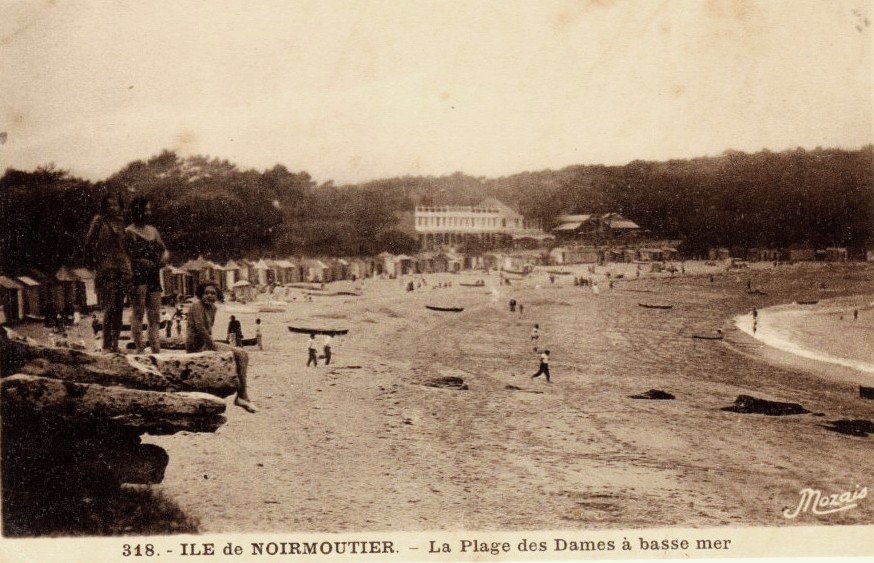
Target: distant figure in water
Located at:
point(855, 314)
point(512, 305)
point(544, 366)
point(535, 335)
point(521, 308)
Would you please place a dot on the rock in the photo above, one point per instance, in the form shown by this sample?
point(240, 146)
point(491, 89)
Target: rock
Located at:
point(211, 372)
point(145, 411)
point(866, 392)
point(752, 405)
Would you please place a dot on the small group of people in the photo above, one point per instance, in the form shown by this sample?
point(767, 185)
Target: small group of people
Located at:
point(312, 350)
point(235, 333)
point(128, 261)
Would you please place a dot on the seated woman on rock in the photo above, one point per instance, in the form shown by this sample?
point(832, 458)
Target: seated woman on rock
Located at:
point(201, 317)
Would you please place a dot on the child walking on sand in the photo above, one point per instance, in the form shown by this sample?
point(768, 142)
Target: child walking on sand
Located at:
point(544, 366)
point(311, 348)
point(535, 335)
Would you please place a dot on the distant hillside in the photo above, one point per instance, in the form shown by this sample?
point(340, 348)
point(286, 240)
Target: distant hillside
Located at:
point(208, 206)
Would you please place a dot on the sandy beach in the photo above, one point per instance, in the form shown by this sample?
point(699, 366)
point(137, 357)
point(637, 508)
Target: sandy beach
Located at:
point(367, 444)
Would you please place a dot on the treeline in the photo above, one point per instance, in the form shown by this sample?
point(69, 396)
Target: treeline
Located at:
point(212, 208)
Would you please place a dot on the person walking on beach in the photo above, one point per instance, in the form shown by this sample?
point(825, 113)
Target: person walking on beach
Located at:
point(168, 326)
point(201, 317)
point(544, 366)
point(326, 348)
point(311, 349)
point(105, 244)
point(535, 335)
point(258, 334)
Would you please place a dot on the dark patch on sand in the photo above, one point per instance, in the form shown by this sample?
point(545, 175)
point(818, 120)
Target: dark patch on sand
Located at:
point(752, 405)
point(859, 428)
point(655, 394)
point(456, 383)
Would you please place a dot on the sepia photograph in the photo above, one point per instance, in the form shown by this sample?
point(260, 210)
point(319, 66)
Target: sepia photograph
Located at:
point(449, 280)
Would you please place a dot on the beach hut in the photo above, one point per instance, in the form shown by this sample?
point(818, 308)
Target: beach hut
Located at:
point(263, 274)
point(405, 264)
point(31, 297)
point(651, 254)
point(454, 262)
point(425, 262)
point(86, 288)
point(45, 284)
point(232, 273)
point(836, 254)
point(177, 281)
point(558, 255)
point(11, 300)
point(798, 253)
point(64, 289)
point(246, 271)
point(316, 271)
point(385, 264)
point(360, 268)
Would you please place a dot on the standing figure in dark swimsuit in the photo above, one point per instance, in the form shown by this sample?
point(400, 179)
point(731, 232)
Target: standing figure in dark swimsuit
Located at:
point(147, 254)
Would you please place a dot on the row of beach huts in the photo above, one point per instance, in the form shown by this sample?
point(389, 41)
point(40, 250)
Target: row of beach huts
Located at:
point(37, 295)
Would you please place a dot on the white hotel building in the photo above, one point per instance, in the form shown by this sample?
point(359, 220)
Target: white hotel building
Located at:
point(491, 224)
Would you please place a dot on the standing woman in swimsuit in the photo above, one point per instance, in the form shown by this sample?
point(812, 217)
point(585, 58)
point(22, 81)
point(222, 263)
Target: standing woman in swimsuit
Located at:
point(147, 253)
point(105, 245)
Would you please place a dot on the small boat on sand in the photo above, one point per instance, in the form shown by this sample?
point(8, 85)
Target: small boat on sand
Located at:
point(655, 306)
point(712, 336)
point(325, 331)
point(445, 309)
point(811, 302)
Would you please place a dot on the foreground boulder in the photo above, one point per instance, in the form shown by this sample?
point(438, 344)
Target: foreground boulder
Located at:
point(76, 418)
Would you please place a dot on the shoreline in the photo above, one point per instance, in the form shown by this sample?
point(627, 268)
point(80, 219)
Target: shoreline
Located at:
point(812, 337)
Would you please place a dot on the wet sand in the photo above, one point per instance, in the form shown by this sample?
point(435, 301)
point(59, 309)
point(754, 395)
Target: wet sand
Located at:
point(827, 331)
point(366, 445)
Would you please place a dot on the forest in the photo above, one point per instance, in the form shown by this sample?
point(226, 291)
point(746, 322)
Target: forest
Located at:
point(210, 207)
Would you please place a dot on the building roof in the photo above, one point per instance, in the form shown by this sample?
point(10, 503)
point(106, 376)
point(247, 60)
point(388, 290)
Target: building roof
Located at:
point(503, 209)
point(83, 273)
point(9, 283)
point(572, 218)
point(570, 226)
point(28, 281)
point(64, 274)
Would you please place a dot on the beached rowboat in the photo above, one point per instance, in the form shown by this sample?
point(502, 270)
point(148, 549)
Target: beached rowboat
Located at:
point(654, 306)
point(331, 331)
point(445, 309)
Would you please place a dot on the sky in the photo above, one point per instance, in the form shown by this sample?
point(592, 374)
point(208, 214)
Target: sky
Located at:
point(352, 91)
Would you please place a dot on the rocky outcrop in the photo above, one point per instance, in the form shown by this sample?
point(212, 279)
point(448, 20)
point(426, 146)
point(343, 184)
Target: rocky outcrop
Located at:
point(78, 417)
